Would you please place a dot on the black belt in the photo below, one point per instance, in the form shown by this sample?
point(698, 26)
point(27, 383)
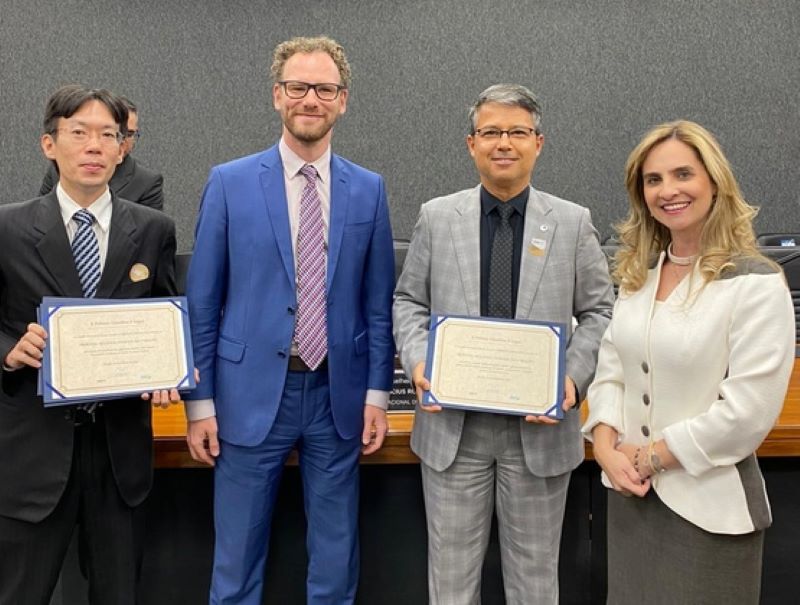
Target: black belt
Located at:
point(298, 365)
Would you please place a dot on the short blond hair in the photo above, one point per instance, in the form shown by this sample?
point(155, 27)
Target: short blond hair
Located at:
point(303, 44)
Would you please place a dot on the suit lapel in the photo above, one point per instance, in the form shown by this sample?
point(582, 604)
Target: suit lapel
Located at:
point(273, 187)
point(121, 247)
point(540, 229)
point(53, 247)
point(122, 175)
point(466, 234)
point(340, 203)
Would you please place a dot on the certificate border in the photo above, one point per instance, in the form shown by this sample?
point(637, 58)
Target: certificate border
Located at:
point(51, 304)
point(555, 411)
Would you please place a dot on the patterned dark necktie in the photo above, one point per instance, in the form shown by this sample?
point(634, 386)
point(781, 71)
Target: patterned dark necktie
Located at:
point(311, 329)
point(86, 253)
point(501, 265)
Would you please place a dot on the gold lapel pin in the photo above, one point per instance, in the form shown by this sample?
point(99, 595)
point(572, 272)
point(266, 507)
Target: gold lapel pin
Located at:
point(139, 272)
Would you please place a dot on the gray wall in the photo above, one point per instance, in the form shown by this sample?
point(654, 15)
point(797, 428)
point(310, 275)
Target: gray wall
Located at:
point(606, 72)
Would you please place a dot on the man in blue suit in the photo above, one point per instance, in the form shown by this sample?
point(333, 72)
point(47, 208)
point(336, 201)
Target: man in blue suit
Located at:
point(290, 293)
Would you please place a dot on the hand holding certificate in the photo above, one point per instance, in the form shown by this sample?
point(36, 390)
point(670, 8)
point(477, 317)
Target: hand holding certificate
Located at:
point(106, 349)
point(491, 365)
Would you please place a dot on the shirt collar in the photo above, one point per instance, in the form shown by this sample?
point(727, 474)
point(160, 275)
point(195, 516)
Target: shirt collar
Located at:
point(292, 163)
point(490, 202)
point(100, 208)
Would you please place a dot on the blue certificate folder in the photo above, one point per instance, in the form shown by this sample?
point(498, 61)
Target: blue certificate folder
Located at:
point(481, 364)
point(53, 394)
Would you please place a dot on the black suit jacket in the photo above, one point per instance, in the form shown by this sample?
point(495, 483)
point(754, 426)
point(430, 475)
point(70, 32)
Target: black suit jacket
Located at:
point(131, 181)
point(36, 261)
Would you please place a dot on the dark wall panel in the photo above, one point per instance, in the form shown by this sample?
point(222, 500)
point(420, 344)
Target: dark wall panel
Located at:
point(606, 71)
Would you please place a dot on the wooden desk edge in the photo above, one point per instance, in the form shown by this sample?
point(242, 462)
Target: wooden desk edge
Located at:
point(171, 450)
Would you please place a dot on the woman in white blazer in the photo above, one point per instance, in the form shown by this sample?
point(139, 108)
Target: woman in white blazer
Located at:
point(691, 376)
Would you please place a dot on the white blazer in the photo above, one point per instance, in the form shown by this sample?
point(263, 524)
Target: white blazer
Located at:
point(706, 370)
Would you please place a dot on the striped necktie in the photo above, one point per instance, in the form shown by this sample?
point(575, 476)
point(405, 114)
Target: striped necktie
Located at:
point(86, 253)
point(311, 329)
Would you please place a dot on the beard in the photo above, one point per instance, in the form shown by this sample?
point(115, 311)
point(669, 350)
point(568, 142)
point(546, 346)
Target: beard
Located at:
point(309, 133)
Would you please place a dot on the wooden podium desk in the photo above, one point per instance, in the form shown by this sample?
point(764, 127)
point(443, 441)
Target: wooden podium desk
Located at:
point(169, 428)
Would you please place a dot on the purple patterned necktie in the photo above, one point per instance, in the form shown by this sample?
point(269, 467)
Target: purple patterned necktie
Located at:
point(311, 329)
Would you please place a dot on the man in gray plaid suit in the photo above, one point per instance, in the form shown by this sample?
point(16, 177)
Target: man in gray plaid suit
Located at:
point(501, 249)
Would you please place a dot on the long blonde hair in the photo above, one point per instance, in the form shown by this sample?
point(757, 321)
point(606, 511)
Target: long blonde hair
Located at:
point(728, 230)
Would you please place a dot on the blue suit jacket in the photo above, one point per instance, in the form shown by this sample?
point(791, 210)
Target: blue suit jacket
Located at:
point(242, 299)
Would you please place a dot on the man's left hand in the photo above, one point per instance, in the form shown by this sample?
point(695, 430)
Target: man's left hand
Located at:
point(162, 399)
point(375, 429)
point(570, 399)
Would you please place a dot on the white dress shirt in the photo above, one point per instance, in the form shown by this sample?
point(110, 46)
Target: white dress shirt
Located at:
point(100, 209)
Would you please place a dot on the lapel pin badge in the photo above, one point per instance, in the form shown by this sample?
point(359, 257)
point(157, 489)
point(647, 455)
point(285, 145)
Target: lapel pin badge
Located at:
point(537, 246)
point(139, 272)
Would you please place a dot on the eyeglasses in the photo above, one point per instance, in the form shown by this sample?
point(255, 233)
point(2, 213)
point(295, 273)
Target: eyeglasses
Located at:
point(81, 136)
point(134, 134)
point(295, 89)
point(494, 134)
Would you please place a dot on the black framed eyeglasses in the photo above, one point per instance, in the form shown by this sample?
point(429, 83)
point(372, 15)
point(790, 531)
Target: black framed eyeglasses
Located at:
point(296, 89)
point(518, 133)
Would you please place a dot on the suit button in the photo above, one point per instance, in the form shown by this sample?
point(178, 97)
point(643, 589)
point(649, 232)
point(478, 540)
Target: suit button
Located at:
point(646, 399)
point(281, 354)
point(68, 415)
point(645, 367)
point(645, 431)
point(290, 310)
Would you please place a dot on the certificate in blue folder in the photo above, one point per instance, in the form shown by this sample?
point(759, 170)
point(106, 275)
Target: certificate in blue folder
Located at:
point(99, 349)
point(496, 365)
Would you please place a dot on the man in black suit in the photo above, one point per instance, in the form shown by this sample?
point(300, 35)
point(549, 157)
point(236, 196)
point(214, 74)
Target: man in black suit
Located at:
point(131, 180)
point(69, 466)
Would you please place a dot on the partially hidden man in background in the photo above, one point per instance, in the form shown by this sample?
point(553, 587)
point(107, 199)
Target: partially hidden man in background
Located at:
point(290, 292)
point(68, 466)
point(502, 249)
point(130, 180)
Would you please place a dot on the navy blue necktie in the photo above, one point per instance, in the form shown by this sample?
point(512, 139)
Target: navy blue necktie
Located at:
point(86, 252)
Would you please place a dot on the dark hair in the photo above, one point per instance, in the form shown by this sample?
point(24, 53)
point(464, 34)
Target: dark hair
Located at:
point(129, 104)
point(512, 95)
point(67, 100)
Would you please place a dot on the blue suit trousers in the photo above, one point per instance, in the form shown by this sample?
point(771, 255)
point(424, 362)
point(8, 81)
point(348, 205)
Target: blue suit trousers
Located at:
point(246, 483)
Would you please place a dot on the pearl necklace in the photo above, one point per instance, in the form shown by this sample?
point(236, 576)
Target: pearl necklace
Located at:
point(683, 261)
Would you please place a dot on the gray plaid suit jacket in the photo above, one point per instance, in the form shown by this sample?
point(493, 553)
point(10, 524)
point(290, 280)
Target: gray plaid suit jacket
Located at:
point(570, 280)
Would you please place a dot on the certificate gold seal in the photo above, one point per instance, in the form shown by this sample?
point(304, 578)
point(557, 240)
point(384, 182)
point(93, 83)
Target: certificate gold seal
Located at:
point(139, 272)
